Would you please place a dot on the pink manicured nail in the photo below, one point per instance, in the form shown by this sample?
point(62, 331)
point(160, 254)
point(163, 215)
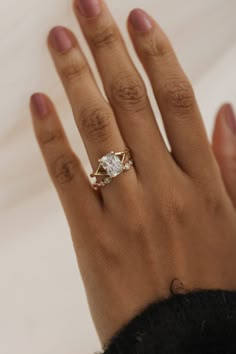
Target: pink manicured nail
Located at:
point(40, 104)
point(230, 118)
point(140, 20)
point(89, 8)
point(60, 39)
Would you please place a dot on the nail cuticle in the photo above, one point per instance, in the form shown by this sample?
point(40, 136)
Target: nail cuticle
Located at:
point(60, 39)
point(140, 20)
point(89, 8)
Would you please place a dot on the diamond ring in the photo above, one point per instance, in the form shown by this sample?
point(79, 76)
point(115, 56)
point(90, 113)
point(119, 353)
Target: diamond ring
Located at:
point(110, 166)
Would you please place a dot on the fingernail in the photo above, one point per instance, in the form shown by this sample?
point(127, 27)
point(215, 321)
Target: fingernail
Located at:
point(230, 118)
point(40, 104)
point(140, 20)
point(60, 39)
point(89, 8)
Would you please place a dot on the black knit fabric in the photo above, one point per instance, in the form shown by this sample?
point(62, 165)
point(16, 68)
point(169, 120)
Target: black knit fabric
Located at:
point(201, 322)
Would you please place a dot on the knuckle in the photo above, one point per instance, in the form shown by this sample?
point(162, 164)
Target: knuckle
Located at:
point(49, 137)
point(179, 95)
point(104, 37)
point(73, 69)
point(129, 92)
point(156, 47)
point(95, 123)
point(64, 168)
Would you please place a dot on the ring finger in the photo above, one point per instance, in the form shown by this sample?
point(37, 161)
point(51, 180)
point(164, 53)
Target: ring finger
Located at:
point(93, 116)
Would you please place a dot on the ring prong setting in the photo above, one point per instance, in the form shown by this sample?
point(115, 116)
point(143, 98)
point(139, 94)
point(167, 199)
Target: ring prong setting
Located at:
point(110, 166)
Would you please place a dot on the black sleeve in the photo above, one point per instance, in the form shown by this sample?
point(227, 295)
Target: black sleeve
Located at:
point(200, 322)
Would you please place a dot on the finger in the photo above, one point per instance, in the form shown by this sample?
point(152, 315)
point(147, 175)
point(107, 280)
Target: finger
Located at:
point(123, 85)
point(224, 147)
point(93, 116)
point(174, 94)
point(64, 167)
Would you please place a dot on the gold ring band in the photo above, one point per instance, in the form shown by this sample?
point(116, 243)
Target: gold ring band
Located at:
point(110, 166)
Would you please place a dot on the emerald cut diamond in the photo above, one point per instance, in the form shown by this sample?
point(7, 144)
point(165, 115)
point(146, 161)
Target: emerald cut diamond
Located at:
point(112, 164)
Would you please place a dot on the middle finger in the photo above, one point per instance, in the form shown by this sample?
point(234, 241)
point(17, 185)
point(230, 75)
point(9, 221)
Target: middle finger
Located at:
point(123, 85)
point(93, 115)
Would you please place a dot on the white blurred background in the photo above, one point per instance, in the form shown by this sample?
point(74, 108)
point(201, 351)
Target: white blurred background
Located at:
point(43, 308)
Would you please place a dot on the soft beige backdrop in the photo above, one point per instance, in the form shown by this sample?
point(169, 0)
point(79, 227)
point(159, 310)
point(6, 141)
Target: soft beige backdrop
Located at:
point(43, 308)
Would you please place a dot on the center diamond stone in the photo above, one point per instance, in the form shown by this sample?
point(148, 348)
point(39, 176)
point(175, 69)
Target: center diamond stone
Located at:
point(112, 164)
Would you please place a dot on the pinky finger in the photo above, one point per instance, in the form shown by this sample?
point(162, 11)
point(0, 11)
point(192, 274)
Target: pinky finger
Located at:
point(224, 147)
point(64, 167)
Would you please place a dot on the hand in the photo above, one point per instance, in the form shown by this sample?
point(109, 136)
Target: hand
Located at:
point(168, 217)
